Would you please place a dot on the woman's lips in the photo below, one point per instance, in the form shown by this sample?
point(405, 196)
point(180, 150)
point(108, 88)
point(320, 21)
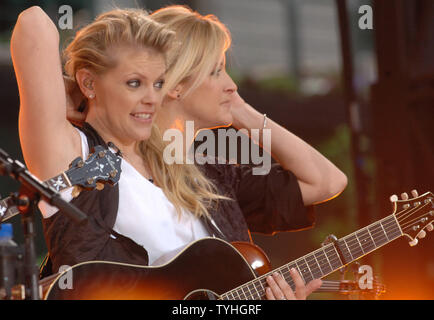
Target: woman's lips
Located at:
point(142, 116)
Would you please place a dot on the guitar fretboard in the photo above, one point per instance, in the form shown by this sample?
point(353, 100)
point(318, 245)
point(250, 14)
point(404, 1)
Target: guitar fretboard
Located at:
point(8, 209)
point(325, 260)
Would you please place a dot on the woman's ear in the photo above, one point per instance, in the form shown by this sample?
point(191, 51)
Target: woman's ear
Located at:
point(85, 80)
point(175, 93)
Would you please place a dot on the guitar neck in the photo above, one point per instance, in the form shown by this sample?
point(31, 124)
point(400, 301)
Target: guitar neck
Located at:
point(8, 209)
point(325, 260)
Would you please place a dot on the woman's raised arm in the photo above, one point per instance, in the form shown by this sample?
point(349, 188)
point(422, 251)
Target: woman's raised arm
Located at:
point(48, 140)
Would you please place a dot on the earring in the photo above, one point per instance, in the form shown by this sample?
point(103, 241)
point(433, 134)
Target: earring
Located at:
point(91, 96)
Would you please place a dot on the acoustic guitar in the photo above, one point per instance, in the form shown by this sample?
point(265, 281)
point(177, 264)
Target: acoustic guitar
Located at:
point(211, 268)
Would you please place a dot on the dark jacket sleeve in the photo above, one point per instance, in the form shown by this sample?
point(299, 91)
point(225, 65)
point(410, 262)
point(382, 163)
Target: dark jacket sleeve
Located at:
point(271, 202)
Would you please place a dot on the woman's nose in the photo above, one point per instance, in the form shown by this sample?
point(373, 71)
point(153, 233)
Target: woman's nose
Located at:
point(230, 86)
point(152, 97)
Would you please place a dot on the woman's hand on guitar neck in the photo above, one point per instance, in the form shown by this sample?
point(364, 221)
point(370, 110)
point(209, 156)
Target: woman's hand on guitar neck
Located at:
point(279, 289)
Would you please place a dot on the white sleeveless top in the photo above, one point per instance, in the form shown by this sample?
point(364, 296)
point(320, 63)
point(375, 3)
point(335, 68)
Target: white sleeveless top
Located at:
point(144, 215)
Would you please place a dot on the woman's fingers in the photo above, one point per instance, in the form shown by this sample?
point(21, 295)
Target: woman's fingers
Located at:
point(279, 289)
point(312, 286)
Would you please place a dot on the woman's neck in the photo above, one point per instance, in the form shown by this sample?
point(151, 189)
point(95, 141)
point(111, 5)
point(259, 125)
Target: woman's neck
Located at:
point(126, 147)
point(175, 119)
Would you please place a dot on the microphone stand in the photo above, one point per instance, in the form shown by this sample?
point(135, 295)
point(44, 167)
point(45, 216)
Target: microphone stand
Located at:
point(31, 192)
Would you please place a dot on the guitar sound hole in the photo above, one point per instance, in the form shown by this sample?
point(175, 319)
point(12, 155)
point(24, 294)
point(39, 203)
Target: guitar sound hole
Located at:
point(201, 295)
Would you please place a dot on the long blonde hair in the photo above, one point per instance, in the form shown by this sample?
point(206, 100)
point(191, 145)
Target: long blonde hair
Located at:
point(199, 43)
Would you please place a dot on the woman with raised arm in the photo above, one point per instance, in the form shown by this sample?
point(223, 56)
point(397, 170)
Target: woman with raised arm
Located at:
point(205, 94)
point(118, 63)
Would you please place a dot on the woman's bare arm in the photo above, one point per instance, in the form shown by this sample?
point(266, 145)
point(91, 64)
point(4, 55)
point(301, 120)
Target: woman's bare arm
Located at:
point(49, 142)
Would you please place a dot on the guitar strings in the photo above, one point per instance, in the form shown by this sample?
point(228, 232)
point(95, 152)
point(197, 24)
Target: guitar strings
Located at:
point(408, 223)
point(289, 280)
point(403, 216)
point(262, 280)
point(351, 244)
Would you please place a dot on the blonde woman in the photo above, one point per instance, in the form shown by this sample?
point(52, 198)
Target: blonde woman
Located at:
point(204, 93)
point(118, 63)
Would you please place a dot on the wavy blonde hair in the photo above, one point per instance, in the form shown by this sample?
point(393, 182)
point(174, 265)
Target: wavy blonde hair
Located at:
point(199, 43)
point(92, 45)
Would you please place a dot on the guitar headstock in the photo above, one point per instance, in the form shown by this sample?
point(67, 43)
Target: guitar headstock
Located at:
point(101, 167)
point(415, 215)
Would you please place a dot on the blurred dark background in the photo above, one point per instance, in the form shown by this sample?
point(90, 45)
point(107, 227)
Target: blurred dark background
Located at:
point(362, 97)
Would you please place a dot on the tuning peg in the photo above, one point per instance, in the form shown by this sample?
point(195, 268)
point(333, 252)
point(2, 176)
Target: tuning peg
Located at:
point(393, 198)
point(430, 227)
point(99, 186)
point(404, 196)
point(422, 234)
point(414, 193)
point(76, 191)
point(413, 242)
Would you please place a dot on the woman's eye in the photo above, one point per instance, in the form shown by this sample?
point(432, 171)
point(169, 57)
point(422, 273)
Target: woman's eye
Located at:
point(134, 83)
point(216, 72)
point(159, 84)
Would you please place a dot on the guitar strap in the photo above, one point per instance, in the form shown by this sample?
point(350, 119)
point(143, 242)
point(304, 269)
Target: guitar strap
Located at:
point(212, 228)
point(72, 243)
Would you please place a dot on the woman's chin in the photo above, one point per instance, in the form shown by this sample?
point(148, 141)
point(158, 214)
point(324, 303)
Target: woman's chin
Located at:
point(143, 135)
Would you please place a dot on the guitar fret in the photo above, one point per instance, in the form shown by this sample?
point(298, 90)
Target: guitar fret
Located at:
point(253, 291)
point(392, 228)
point(302, 269)
point(242, 292)
point(379, 235)
point(385, 233)
point(335, 257)
point(324, 264)
point(354, 245)
point(261, 291)
point(345, 250)
point(250, 292)
point(263, 283)
point(349, 251)
point(365, 240)
point(233, 296)
point(317, 273)
point(310, 271)
point(358, 241)
point(372, 238)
